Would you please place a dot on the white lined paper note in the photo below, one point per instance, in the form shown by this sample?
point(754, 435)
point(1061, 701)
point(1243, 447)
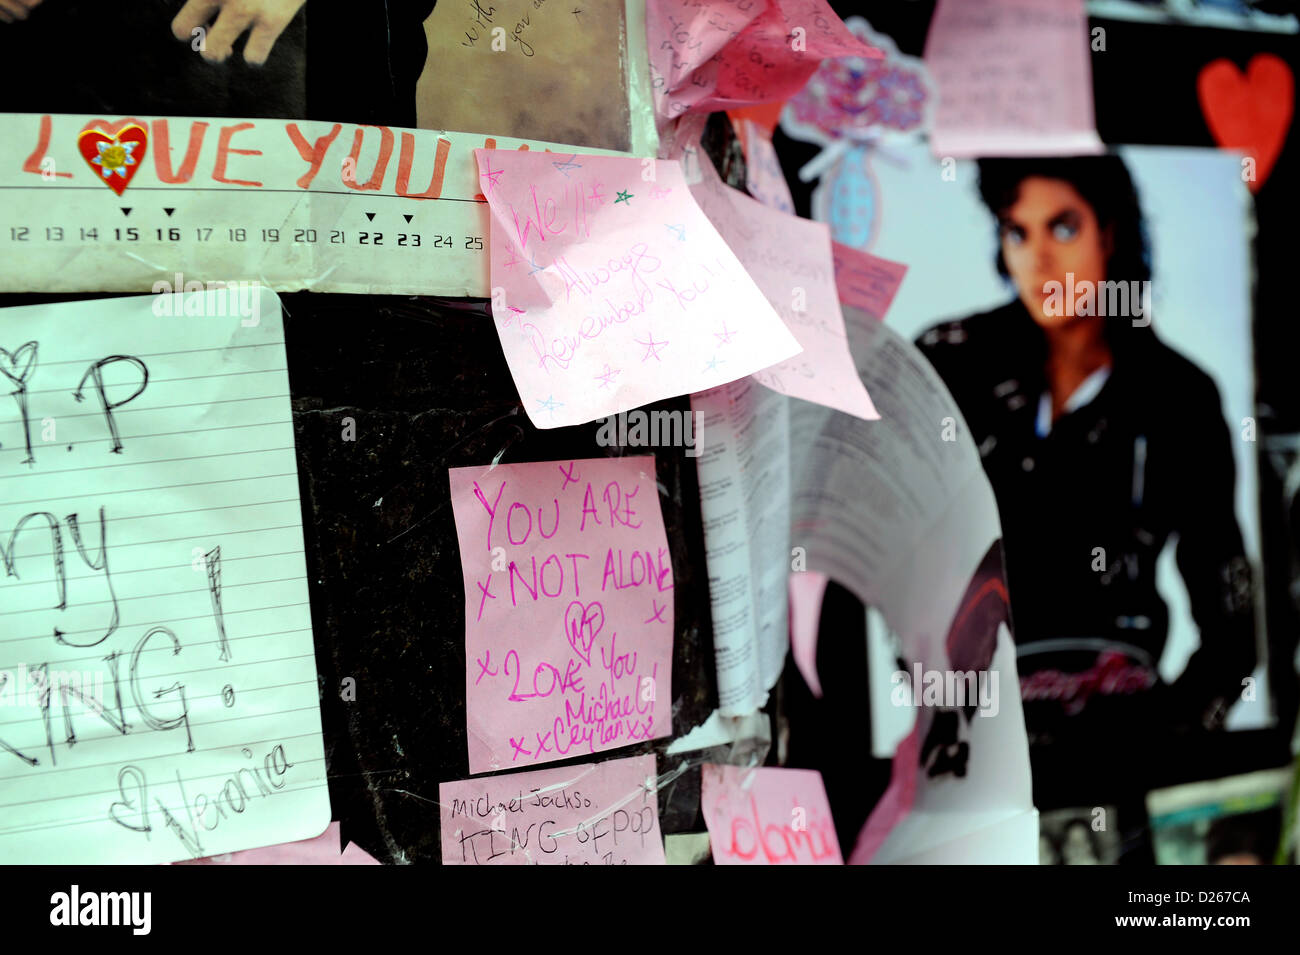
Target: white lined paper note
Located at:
point(153, 569)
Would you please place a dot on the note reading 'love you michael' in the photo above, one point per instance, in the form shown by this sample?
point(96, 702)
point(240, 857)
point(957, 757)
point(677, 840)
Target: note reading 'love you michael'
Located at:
point(568, 609)
point(768, 816)
point(590, 814)
point(611, 289)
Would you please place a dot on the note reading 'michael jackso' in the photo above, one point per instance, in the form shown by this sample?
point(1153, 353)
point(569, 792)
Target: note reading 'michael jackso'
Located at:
point(604, 813)
point(158, 695)
point(568, 609)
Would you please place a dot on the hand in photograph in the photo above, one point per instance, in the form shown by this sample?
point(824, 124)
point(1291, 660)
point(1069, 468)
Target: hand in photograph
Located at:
point(266, 18)
point(11, 10)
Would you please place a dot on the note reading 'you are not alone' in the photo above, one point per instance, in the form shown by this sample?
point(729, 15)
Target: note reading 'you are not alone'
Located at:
point(568, 609)
point(611, 289)
point(157, 670)
point(589, 814)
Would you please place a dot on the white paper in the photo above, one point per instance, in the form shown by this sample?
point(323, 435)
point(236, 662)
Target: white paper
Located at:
point(197, 730)
point(744, 502)
point(294, 204)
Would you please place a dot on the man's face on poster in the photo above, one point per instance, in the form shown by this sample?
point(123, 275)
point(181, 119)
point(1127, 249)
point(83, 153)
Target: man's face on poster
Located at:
point(1049, 231)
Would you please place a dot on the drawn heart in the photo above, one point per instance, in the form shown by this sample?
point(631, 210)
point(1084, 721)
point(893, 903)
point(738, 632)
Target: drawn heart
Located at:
point(13, 360)
point(1250, 112)
point(581, 626)
point(132, 807)
point(114, 156)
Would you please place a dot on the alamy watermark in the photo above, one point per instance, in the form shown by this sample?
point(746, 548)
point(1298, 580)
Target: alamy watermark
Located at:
point(659, 429)
point(35, 686)
point(242, 298)
point(946, 688)
point(1114, 299)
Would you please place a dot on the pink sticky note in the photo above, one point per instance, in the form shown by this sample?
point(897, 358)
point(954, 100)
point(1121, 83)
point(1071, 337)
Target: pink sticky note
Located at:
point(714, 56)
point(611, 288)
point(1014, 78)
point(355, 855)
point(790, 259)
point(683, 42)
point(768, 816)
point(590, 814)
point(771, 61)
point(763, 176)
point(866, 281)
point(323, 850)
point(568, 609)
point(807, 588)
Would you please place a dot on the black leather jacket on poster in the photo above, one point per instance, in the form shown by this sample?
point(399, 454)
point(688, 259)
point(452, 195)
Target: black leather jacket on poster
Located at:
point(1085, 513)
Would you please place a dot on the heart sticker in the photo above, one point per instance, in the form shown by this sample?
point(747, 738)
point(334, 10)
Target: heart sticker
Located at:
point(114, 157)
point(1251, 111)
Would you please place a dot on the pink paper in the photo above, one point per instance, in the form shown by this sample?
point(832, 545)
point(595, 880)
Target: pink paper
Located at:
point(807, 588)
point(355, 855)
point(763, 176)
point(715, 56)
point(568, 609)
point(866, 281)
point(611, 289)
point(768, 816)
point(590, 814)
point(323, 850)
point(1014, 78)
point(790, 259)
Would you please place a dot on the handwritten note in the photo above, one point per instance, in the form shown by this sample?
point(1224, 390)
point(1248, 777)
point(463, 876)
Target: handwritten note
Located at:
point(866, 281)
point(1013, 76)
point(790, 260)
point(611, 289)
point(724, 54)
point(568, 609)
point(323, 850)
point(590, 814)
point(578, 58)
point(158, 674)
point(768, 816)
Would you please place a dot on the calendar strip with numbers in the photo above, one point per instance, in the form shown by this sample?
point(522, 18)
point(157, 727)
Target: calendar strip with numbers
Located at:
point(140, 203)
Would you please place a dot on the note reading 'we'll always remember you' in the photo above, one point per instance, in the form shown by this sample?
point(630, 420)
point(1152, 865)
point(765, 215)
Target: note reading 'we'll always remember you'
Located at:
point(568, 609)
point(611, 288)
point(158, 696)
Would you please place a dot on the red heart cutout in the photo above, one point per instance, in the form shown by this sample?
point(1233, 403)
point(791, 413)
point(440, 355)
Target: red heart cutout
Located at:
point(115, 157)
point(1250, 112)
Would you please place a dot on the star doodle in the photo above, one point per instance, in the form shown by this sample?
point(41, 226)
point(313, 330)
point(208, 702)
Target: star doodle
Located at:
point(493, 176)
point(550, 404)
point(713, 364)
point(651, 347)
point(677, 230)
point(623, 196)
point(568, 164)
point(607, 377)
point(724, 337)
